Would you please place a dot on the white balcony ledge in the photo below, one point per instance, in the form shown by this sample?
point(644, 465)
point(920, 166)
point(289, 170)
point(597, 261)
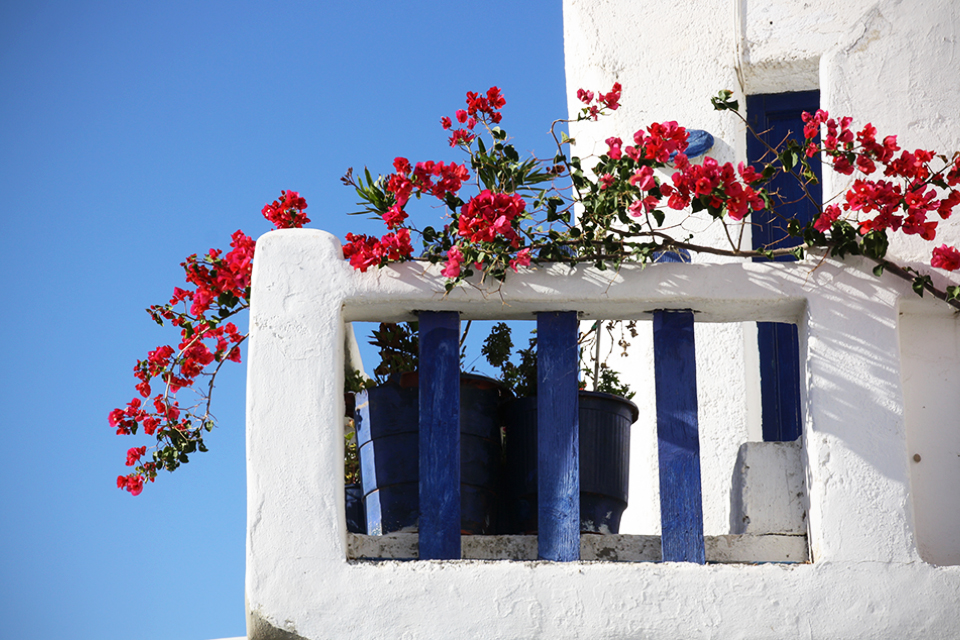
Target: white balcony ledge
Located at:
point(593, 548)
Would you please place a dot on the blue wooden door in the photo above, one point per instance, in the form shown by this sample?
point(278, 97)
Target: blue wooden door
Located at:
point(776, 117)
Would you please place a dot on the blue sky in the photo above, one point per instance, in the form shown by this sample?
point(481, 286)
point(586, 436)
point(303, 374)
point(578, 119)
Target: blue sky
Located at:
point(133, 135)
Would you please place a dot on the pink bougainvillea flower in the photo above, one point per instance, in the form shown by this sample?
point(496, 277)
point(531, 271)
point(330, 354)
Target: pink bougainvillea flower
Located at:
point(132, 483)
point(522, 259)
point(947, 204)
point(461, 137)
point(488, 214)
point(643, 179)
point(454, 260)
point(748, 173)
point(394, 216)
point(134, 454)
point(611, 99)
point(946, 258)
point(495, 98)
point(287, 213)
point(827, 218)
point(614, 148)
point(606, 181)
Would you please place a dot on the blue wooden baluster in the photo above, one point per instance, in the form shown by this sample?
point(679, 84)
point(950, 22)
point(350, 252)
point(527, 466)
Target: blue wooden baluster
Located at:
point(558, 437)
point(439, 435)
point(675, 370)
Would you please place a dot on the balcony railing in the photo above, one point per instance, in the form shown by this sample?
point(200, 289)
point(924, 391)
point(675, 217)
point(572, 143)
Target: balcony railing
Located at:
point(557, 436)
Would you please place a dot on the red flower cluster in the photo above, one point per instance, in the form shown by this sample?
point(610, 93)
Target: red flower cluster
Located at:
point(664, 140)
point(488, 215)
point(365, 252)
point(214, 276)
point(132, 483)
point(522, 259)
point(826, 219)
point(220, 288)
point(609, 100)
point(862, 152)
point(287, 213)
point(716, 185)
point(454, 260)
point(480, 108)
point(945, 257)
point(485, 107)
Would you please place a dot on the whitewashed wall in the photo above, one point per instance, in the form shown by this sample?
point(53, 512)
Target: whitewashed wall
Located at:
point(893, 63)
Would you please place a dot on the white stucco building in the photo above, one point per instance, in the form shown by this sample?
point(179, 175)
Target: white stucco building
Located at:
point(857, 525)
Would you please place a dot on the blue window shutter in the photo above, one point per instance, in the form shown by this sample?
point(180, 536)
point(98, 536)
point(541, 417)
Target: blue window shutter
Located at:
point(776, 117)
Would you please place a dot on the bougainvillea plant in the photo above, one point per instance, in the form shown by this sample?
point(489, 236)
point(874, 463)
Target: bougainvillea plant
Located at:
point(218, 288)
point(504, 213)
point(521, 211)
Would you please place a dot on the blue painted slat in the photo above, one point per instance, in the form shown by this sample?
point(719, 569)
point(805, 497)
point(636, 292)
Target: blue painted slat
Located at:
point(675, 370)
point(558, 437)
point(439, 435)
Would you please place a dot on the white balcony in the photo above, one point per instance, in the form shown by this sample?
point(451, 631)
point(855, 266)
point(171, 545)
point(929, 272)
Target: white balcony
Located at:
point(865, 504)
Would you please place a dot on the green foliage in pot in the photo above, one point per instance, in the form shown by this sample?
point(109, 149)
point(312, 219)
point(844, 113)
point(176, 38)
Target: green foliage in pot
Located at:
point(521, 377)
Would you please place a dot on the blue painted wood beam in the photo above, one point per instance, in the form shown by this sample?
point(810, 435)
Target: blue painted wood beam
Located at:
point(558, 437)
point(439, 435)
point(675, 370)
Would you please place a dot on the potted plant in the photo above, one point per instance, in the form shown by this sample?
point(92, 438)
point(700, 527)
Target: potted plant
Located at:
point(388, 440)
point(605, 417)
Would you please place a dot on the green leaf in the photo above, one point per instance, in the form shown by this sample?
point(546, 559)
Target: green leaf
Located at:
point(659, 216)
point(793, 227)
point(878, 270)
point(787, 159)
point(875, 244)
point(920, 282)
point(722, 101)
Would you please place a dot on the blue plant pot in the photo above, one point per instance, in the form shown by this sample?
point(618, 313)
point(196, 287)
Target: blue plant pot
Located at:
point(605, 422)
point(388, 437)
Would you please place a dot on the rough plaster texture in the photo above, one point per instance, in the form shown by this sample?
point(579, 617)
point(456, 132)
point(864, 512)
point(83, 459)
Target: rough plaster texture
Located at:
point(861, 532)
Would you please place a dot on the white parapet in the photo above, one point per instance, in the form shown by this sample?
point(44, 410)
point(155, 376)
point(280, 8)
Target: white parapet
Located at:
point(865, 579)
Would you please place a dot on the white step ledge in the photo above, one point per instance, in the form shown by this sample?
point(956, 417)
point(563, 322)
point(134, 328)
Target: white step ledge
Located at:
point(609, 548)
